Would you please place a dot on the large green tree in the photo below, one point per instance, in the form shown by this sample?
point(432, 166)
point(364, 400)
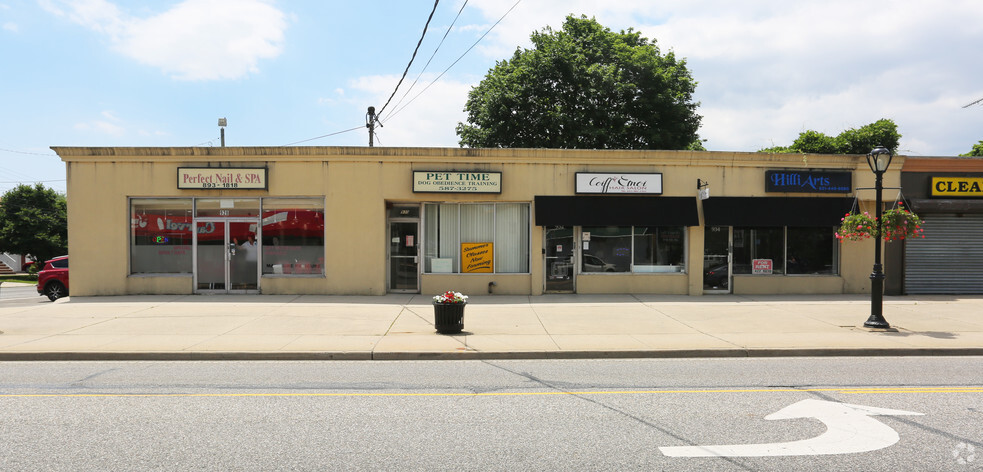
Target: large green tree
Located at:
point(860, 140)
point(977, 150)
point(584, 87)
point(33, 220)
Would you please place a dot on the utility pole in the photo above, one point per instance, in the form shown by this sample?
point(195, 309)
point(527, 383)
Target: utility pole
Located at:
point(370, 121)
point(222, 123)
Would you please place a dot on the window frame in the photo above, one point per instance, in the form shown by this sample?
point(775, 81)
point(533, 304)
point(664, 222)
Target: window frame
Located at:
point(194, 217)
point(426, 266)
point(631, 256)
point(835, 263)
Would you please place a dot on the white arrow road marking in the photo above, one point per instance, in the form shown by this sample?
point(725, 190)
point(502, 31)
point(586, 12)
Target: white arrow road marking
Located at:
point(850, 429)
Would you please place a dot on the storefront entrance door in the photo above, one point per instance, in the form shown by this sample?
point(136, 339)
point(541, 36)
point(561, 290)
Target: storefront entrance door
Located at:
point(404, 256)
point(716, 259)
point(559, 259)
point(226, 256)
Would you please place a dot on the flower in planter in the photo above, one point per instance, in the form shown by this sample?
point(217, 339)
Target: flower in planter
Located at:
point(899, 223)
point(451, 297)
point(896, 224)
point(856, 226)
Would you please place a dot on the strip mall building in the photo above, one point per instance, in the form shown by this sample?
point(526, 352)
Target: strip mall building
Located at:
point(370, 221)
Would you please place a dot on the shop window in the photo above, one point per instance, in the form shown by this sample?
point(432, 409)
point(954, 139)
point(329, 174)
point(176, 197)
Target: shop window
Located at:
point(758, 243)
point(160, 235)
point(659, 249)
point(606, 249)
point(227, 207)
point(501, 229)
point(792, 251)
point(293, 236)
point(632, 249)
point(811, 251)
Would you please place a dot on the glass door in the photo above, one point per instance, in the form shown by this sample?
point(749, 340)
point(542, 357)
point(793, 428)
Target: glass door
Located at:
point(716, 259)
point(244, 261)
point(226, 256)
point(559, 259)
point(404, 256)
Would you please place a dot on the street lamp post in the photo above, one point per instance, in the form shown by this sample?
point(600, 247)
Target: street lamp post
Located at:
point(878, 159)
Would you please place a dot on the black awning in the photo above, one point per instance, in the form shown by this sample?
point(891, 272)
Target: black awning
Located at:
point(775, 211)
point(616, 210)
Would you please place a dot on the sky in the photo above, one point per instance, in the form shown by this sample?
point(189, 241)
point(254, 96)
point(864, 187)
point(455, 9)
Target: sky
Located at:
point(303, 72)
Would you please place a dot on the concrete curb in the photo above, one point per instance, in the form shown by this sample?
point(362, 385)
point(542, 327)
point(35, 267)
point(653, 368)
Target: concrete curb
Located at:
point(479, 355)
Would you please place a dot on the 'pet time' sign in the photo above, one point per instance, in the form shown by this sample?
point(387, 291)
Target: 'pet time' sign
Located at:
point(457, 182)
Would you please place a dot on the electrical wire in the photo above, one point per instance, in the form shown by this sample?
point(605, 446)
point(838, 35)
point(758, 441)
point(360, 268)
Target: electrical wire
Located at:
point(29, 153)
point(415, 50)
point(446, 33)
point(27, 182)
point(323, 136)
point(455, 62)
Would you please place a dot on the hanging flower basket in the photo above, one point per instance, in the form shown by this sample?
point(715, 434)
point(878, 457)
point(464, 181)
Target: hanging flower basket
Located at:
point(899, 223)
point(896, 224)
point(856, 227)
point(448, 312)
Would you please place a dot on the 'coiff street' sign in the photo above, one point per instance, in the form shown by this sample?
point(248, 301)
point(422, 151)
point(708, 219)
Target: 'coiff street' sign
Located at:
point(592, 182)
point(457, 182)
point(221, 178)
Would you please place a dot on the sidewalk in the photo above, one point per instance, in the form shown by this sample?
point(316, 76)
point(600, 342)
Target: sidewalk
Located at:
point(309, 327)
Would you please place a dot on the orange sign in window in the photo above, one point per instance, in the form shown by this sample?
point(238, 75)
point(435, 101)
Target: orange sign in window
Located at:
point(477, 257)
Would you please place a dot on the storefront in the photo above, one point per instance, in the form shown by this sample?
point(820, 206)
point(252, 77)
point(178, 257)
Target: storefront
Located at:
point(334, 220)
point(947, 193)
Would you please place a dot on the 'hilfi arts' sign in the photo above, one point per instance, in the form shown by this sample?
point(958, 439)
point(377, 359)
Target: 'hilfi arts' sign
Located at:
point(796, 181)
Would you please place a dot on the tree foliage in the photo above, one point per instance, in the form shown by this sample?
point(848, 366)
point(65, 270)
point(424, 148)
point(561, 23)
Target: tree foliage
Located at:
point(860, 140)
point(977, 150)
point(34, 220)
point(584, 87)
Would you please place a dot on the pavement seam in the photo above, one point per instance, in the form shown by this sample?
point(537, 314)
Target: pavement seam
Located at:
point(532, 306)
point(649, 306)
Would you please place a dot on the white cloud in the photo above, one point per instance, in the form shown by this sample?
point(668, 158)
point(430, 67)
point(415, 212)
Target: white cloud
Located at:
point(9, 26)
point(102, 127)
point(108, 125)
point(769, 69)
point(194, 40)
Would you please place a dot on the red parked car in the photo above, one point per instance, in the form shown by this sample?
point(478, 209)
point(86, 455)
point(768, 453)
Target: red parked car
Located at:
point(53, 278)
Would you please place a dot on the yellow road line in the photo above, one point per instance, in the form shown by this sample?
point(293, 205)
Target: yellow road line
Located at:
point(851, 390)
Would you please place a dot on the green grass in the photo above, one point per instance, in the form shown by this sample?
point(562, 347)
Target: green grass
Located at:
point(14, 279)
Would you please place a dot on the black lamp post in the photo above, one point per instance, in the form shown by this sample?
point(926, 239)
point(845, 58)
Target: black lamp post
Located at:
point(878, 159)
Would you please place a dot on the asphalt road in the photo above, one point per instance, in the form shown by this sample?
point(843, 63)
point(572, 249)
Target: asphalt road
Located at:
point(18, 293)
point(485, 415)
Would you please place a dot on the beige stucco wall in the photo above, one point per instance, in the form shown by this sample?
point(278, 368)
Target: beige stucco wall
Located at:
point(358, 182)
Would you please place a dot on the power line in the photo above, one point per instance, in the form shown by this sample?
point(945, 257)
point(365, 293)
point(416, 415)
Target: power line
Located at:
point(31, 181)
point(324, 136)
point(446, 33)
point(456, 61)
point(29, 153)
point(974, 103)
point(418, 43)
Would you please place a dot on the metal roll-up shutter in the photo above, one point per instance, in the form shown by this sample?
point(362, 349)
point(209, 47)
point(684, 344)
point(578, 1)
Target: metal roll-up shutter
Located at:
point(949, 259)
